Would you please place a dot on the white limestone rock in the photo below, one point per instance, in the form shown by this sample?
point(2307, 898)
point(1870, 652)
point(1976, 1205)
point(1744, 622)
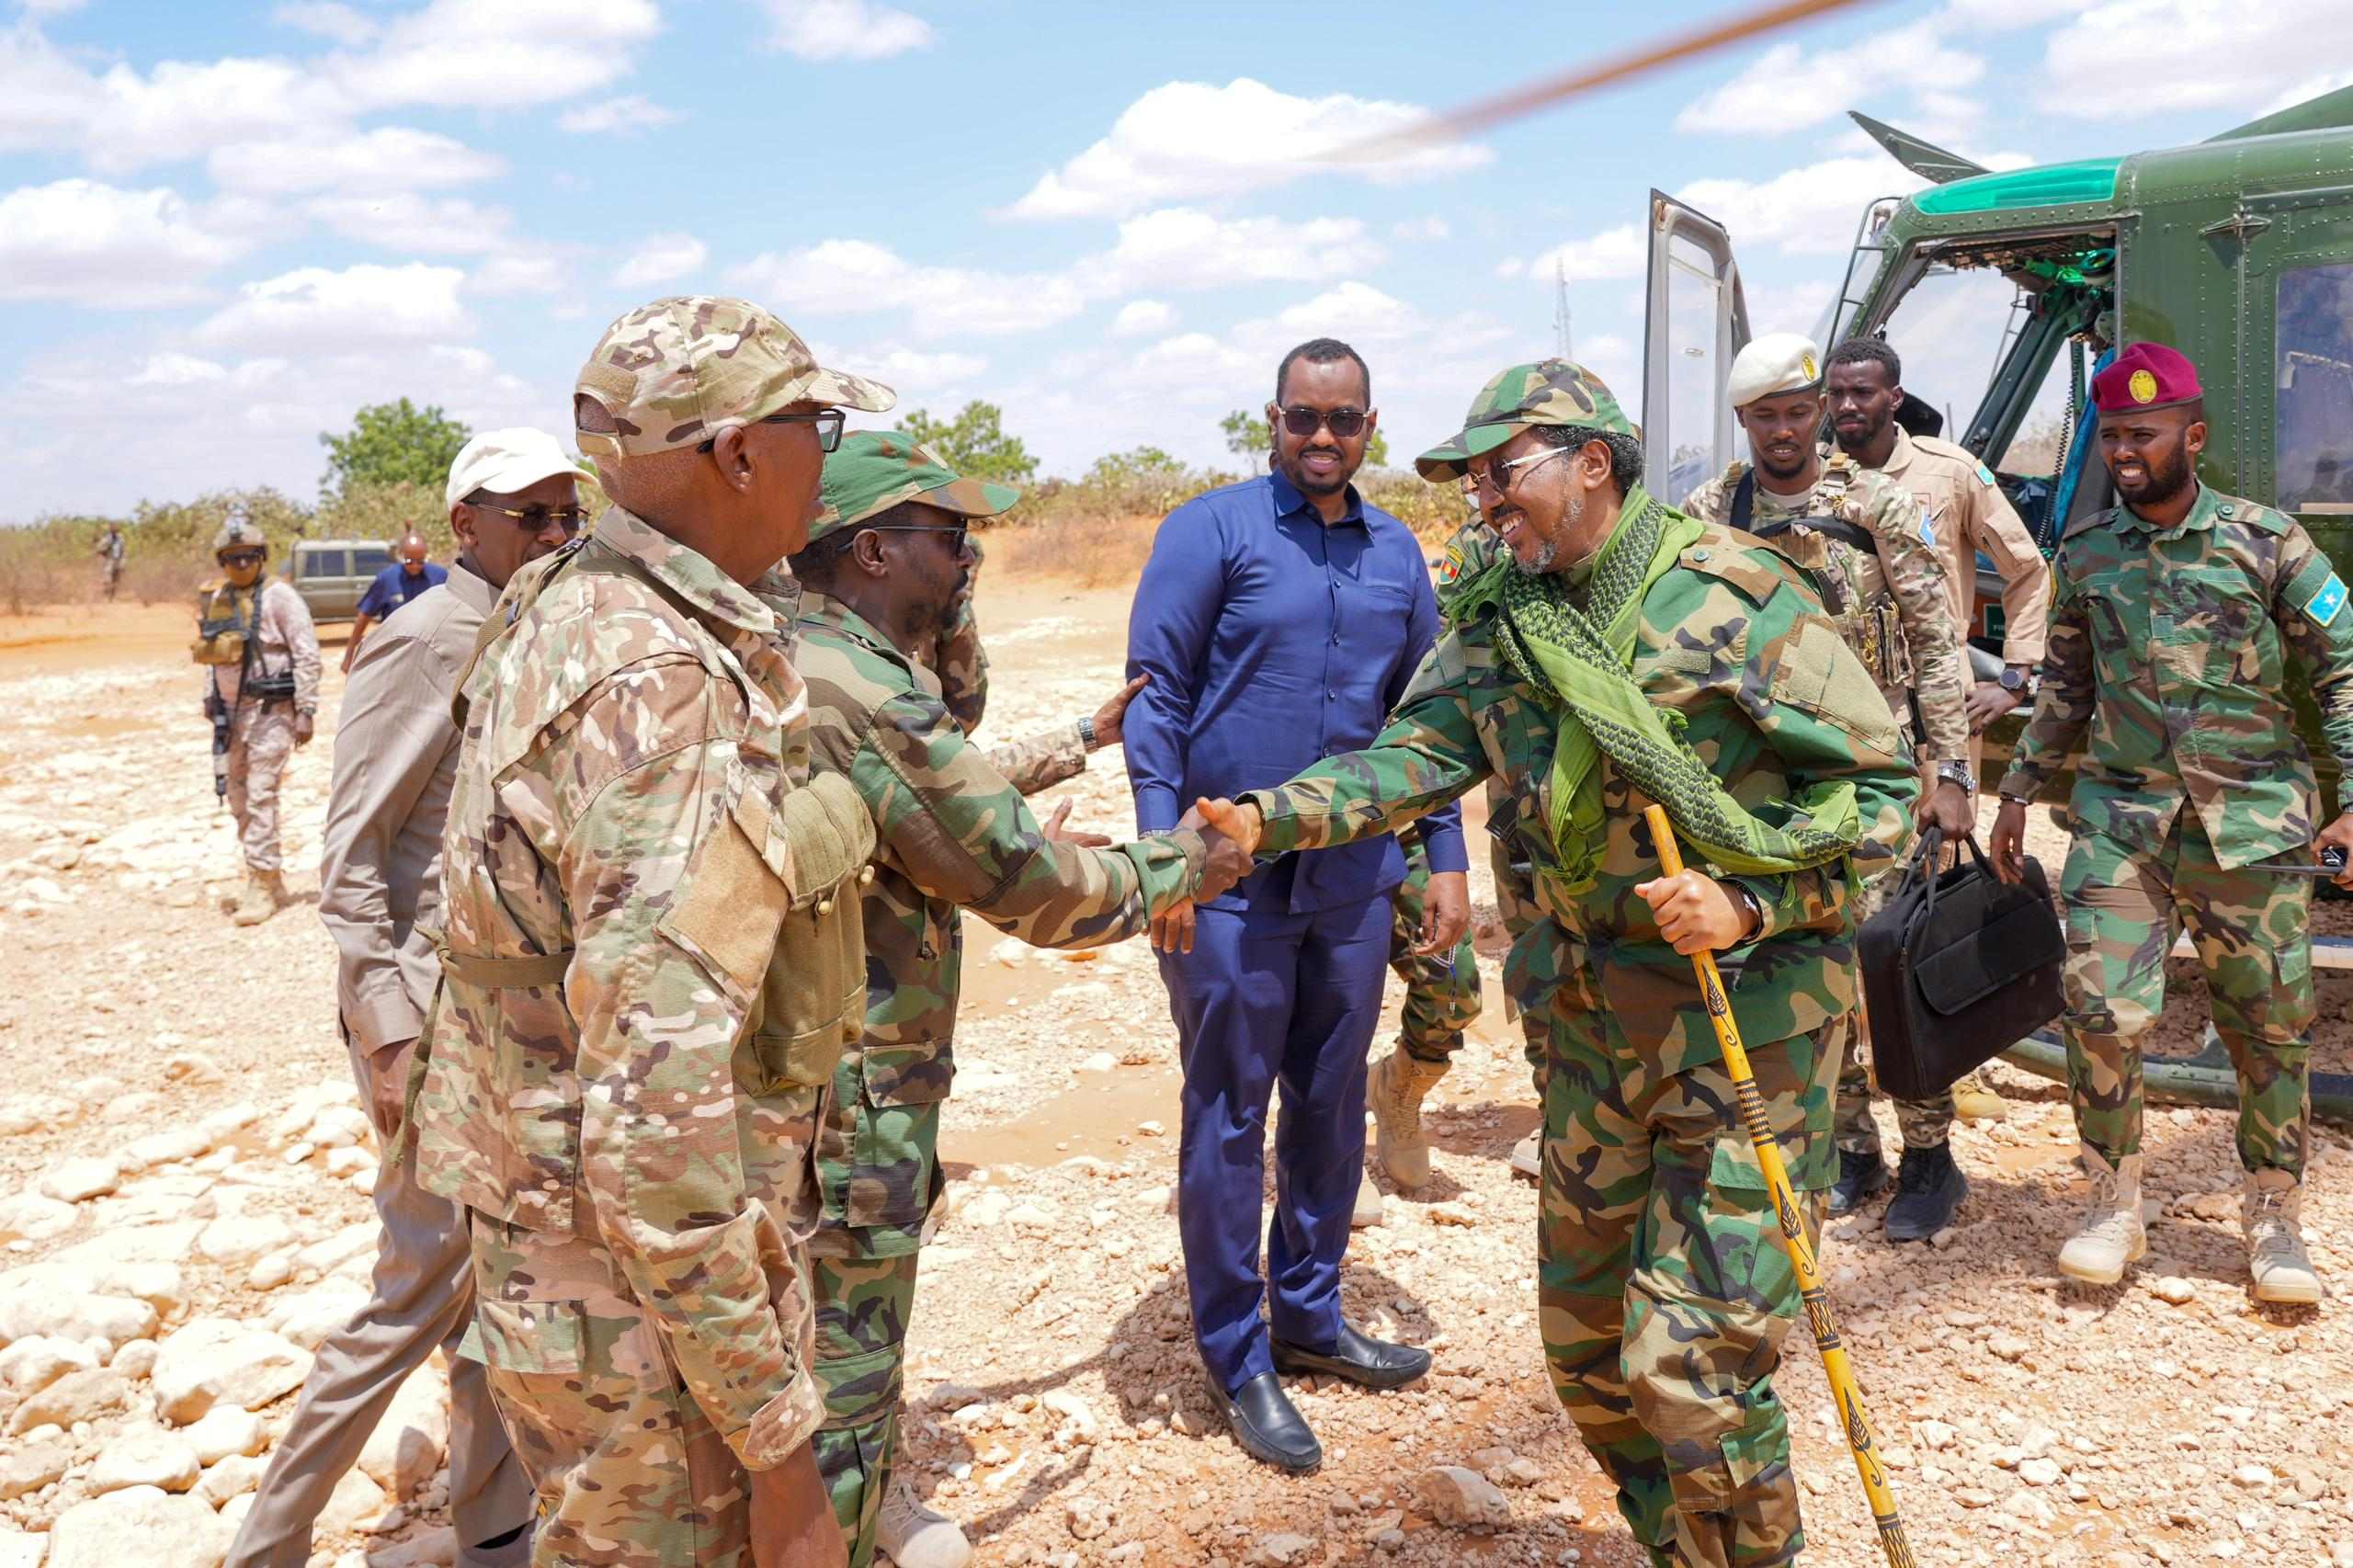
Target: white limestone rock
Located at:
point(213, 1361)
point(144, 1525)
point(80, 1178)
point(148, 1457)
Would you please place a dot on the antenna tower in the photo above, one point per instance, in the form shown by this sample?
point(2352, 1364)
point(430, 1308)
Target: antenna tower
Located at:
point(1564, 345)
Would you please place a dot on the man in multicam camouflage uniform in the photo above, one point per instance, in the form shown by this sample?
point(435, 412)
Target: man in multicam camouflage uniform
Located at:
point(1621, 645)
point(883, 575)
point(1871, 551)
point(2175, 617)
point(651, 962)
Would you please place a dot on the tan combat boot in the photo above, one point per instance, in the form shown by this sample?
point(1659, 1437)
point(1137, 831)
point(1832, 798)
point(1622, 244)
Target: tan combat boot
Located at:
point(2272, 1211)
point(1395, 1093)
point(1974, 1100)
point(2111, 1234)
point(263, 894)
point(913, 1534)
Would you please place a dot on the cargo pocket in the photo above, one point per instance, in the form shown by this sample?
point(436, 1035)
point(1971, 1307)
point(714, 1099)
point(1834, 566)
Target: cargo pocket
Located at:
point(812, 994)
point(536, 1338)
point(1817, 672)
point(895, 1148)
point(536, 1060)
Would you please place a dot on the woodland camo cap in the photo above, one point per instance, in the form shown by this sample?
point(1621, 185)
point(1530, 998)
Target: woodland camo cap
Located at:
point(1550, 392)
point(677, 371)
point(873, 471)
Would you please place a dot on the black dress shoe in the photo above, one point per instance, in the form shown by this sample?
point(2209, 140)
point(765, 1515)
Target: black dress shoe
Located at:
point(1928, 1189)
point(1359, 1357)
point(1861, 1177)
point(1268, 1426)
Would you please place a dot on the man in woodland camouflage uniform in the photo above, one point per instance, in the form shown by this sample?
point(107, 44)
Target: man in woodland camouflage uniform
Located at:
point(1871, 551)
point(1621, 645)
point(883, 577)
point(651, 962)
point(2175, 617)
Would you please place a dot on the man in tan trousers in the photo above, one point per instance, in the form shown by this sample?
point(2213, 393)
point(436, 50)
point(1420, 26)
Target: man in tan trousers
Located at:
point(512, 498)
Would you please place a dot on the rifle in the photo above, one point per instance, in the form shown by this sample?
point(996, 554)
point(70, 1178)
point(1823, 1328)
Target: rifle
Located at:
point(218, 711)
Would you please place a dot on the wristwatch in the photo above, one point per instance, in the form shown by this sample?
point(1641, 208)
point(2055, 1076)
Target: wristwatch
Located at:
point(1957, 772)
point(1756, 911)
point(2013, 678)
point(1087, 734)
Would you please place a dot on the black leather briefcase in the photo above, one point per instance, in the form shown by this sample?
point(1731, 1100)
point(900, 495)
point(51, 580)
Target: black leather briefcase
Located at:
point(1957, 969)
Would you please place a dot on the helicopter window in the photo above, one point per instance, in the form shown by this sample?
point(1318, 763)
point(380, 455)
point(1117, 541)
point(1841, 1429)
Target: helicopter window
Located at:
point(2315, 380)
point(1693, 306)
point(1954, 329)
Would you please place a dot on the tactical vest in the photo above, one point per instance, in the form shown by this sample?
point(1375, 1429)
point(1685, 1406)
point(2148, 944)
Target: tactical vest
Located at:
point(811, 1002)
point(1843, 559)
point(225, 629)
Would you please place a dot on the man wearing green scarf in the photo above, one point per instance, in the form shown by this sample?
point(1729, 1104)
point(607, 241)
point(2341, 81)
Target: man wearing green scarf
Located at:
point(1625, 655)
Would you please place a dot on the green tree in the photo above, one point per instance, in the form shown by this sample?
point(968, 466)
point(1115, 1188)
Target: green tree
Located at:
point(974, 443)
point(392, 443)
point(1249, 437)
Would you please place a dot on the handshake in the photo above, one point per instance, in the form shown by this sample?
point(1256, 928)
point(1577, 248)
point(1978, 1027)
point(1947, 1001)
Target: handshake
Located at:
point(1232, 833)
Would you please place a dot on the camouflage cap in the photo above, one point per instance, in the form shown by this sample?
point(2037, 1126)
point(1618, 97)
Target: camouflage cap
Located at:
point(238, 533)
point(1550, 392)
point(873, 471)
point(677, 371)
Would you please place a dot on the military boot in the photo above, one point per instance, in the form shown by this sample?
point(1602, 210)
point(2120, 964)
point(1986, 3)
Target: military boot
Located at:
point(2111, 1235)
point(2272, 1211)
point(1370, 1205)
point(1528, 1155)
point(913, 1534)
point(1862, 1176)
point(263, 893)
point(1395, 1093)
point(1928, 1189)
point(1974, 1100)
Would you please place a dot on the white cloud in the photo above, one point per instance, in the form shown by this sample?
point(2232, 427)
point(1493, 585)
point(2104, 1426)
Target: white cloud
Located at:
point(95, 244)
point(1613, 253)
point(338, 23)
point(1808, 210)
point(124, 121)
point(173, 370)
point(856, 276)
point(1184, 247)
point(388, 158)
point(313, 310)
point(1424, 229)
point(50, 8)
point(1511, 267)
point(1139, 318)
point(845, 30)
point(405, 220)
point(2002, 16)
point(632, 111)
point(2148, 57)
point(918, 376)
point(1189, 139)
point(1760, 99)
point(659, 258)
point(466, 52)
point(519, 272)
point(2310, 87)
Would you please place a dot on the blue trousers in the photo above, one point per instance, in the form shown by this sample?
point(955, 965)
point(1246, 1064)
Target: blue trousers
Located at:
point(1267, 996)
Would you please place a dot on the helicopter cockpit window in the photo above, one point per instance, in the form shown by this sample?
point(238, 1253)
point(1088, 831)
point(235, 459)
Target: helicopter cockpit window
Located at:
point(1955, 329)
point(2314, 378)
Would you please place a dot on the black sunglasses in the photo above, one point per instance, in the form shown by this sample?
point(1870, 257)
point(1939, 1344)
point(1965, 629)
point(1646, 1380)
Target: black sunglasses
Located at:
point(1344, 423)
point(241, 557)
point(536, 520)
point(960, 533)
point(828, 422)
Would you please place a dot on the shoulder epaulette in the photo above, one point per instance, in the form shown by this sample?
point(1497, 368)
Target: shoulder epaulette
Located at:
point(1755, 569)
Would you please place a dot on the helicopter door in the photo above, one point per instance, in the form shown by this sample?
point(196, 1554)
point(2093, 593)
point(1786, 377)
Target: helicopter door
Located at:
point(1697, 320)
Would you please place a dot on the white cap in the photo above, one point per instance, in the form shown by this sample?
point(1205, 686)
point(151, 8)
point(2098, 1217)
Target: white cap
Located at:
point(504, 461)
point(1776, 362)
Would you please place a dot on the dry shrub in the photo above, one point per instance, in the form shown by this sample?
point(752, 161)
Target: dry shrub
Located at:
point(1095, 551)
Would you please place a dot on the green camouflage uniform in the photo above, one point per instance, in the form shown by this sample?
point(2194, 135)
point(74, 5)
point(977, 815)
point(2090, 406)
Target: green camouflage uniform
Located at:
point(2168, 656)
point(1895, 611)
point(1664, 1289)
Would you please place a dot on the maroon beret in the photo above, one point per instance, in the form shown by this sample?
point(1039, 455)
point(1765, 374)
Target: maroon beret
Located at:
point(2147, 375)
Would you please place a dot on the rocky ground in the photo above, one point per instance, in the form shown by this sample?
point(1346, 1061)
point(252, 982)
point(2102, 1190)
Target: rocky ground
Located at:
point(183, 1173)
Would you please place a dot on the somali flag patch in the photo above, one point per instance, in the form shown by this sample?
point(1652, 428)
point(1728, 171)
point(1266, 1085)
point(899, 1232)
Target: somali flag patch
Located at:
point(1927, 528)
point(2324, 605)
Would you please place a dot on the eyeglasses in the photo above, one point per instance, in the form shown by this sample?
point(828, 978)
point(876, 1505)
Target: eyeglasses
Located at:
point(1497, 476)
point(241, 557)
point(535, 520)
point(1344, 423)
point(828, 422)
point(959, 534)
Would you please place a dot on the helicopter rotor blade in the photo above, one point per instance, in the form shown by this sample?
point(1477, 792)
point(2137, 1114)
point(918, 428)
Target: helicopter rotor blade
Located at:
point(1568, 84)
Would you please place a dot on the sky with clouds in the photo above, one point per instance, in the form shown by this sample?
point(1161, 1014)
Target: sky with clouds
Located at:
point(224, 227)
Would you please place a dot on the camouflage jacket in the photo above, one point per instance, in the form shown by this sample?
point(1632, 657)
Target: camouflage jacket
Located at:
point(1734, 643)
point(2169, 649)
point(952, 833)
point(646, 976)
point(1894, 607)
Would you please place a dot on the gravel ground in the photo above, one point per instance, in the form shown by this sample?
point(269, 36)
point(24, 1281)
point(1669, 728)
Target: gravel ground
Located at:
point(1056, 1406)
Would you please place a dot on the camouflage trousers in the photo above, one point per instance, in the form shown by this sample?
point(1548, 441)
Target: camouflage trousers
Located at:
point(1441, 993)
point(629, 1469)
point(2125, 905)
point(1662, 1283)
point(863, 1305)
point(261, 739)
point(1925, 1124)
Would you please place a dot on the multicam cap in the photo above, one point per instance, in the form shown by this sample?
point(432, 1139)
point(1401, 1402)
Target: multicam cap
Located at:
point(238, 533)
point(1550, 392)
point(677, 371)
point(873, 471)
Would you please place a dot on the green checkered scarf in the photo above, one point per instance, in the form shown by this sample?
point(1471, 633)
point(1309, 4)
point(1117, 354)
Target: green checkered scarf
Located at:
point(1579, 662)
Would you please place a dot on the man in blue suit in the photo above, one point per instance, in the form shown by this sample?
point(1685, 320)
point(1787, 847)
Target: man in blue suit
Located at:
point(1279, 619)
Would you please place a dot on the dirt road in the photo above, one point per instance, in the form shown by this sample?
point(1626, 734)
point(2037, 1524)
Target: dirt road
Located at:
point(178, 1087)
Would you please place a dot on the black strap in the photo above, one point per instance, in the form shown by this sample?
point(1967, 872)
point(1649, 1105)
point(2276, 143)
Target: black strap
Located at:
point(1744, 501)
point(1744, 509)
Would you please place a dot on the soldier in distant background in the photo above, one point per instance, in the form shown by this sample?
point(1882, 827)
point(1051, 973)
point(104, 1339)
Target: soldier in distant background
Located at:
point(882, 581)
point(1870, 548)
point(110, 553)
point(261, 655)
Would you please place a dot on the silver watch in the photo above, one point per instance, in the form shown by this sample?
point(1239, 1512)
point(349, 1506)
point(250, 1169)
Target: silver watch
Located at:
point(1957, 773)
point(1087, 734)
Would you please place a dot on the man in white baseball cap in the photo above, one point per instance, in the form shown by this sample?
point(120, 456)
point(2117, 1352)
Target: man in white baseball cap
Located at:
point(513, 497)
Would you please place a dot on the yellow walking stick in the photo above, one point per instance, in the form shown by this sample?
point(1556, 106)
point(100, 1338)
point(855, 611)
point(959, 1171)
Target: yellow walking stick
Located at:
point(1861, 1439)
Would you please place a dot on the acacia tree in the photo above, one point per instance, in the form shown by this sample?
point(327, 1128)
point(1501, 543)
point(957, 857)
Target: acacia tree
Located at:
point(392, 443)
point(974, 443)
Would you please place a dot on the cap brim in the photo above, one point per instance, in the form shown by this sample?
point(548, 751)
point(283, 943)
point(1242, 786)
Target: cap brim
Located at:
point(841, 390)
point(517, 473)
point(971, 497)
point(1450, 457)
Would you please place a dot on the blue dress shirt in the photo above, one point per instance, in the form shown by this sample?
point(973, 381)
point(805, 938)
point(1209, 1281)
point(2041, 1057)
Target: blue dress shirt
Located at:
point(393, 587)
point(1275, 640)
